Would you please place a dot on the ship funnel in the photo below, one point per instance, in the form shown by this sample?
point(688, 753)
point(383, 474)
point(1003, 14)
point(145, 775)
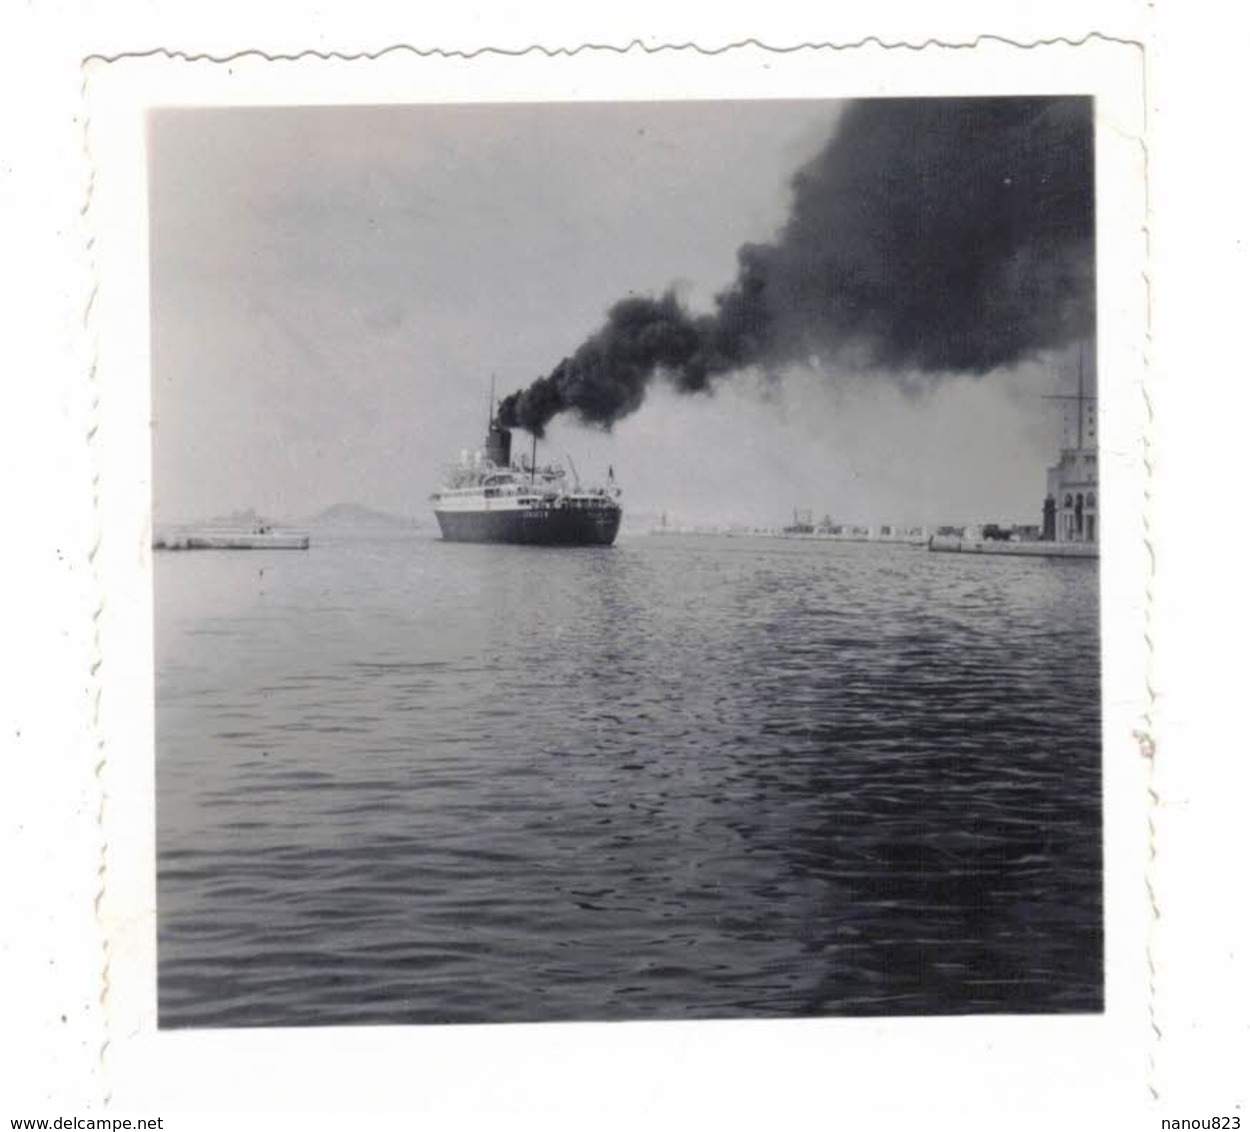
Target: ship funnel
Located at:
point(499, 445)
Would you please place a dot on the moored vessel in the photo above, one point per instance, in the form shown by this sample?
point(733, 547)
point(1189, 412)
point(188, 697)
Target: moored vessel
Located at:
point(261, 536)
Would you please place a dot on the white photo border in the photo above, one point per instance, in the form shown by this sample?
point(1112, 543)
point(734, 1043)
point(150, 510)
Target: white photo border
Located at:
point(1052, 1063)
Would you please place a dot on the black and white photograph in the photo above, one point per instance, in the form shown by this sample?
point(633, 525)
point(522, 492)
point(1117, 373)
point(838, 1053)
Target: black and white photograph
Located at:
point(626, 561)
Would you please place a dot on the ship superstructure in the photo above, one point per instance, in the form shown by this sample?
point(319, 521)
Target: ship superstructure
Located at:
point(487, 497)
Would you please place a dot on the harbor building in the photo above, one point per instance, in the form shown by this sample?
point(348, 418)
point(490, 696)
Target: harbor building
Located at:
point(1070, 512)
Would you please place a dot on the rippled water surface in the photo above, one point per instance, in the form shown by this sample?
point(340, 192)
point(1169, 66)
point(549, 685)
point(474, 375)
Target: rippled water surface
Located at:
point(401, 780)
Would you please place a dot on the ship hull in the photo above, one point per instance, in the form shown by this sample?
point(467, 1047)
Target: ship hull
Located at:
point(546, 526)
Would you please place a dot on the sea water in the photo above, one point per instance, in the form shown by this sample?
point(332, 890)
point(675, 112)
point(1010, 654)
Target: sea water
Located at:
point(407, 781)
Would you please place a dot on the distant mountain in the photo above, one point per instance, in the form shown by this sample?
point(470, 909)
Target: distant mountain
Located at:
point(245, 520)
point(352, 516)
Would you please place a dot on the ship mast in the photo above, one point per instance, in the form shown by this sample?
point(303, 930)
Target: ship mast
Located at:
point(1080, 397)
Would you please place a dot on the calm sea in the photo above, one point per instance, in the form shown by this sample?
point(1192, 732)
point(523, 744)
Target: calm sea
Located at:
point(401, 780)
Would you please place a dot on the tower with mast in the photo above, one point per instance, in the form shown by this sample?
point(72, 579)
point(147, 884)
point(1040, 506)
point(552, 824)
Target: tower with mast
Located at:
point(1070, 511)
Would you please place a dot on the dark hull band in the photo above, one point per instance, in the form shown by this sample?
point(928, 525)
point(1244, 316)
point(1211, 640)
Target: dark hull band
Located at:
point(552, 526)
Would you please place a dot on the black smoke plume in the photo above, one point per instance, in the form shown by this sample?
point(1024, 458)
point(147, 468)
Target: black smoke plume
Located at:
point(930, 236)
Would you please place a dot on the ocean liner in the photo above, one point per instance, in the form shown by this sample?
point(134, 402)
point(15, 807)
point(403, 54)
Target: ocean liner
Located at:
point(488, 498)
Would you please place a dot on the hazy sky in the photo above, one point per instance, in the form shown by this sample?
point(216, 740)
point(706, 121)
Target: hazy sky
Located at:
point(332, 289)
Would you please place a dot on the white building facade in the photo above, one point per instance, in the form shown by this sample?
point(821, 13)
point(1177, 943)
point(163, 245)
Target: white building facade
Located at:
point(1070, 513)
point(1071, 510)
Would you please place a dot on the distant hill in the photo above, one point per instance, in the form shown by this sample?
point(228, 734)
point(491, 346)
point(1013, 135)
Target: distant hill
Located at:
point(352, 516)
point(243, 520)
